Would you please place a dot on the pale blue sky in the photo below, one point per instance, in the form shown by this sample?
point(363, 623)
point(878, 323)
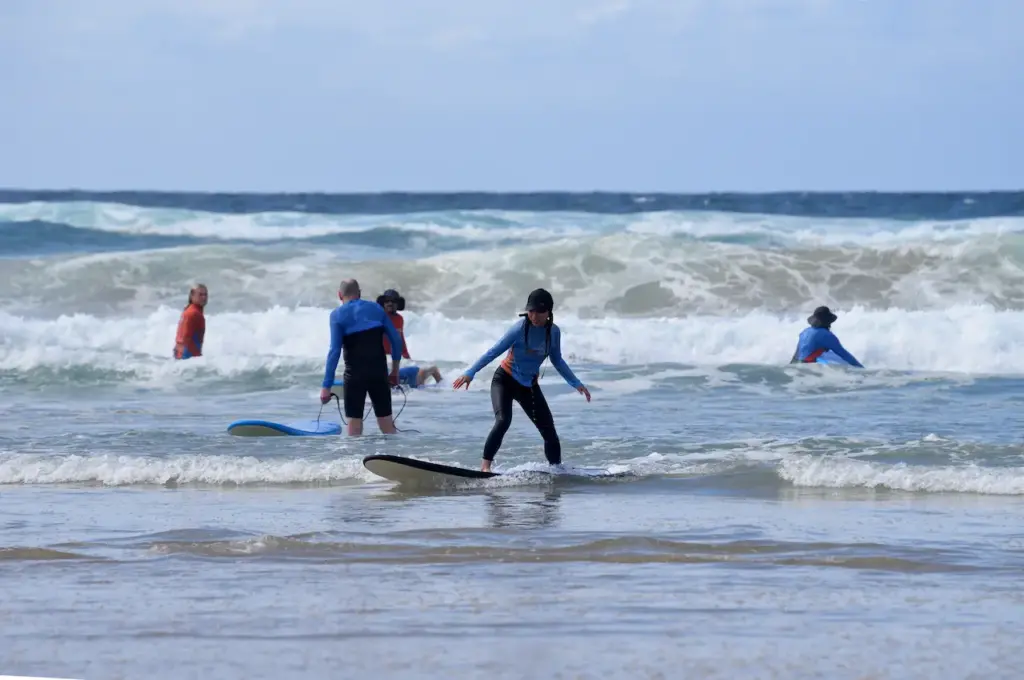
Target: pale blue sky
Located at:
point(644, 95)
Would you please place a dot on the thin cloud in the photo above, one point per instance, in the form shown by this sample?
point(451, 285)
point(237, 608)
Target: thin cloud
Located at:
point(645, 92)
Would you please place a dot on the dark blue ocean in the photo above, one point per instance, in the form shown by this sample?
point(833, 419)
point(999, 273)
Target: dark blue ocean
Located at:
point(766, 509)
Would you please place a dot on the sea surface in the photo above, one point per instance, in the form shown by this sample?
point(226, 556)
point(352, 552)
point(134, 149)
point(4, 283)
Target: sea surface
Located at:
point(774, 521)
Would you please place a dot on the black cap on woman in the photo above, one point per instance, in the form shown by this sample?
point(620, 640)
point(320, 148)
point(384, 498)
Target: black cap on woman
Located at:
point(540, 302)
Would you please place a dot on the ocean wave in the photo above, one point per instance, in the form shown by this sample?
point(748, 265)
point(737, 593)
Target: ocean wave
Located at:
point(284, 342)
point(39, 237)
point(461, 227)
point(857, 474)
point(619, 275)
point(899, 205)
point(195, 469)
point(722, 469)
point(415, 230)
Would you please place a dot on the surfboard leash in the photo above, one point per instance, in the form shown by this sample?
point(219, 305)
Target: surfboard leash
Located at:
point(405, 400)
point(337, 403)
point(340, 414)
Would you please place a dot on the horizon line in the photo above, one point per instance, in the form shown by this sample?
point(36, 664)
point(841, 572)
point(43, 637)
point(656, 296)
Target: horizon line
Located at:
point(502, 192)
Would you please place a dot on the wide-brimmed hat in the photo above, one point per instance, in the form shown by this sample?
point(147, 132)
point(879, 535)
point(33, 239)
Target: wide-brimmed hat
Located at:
point(824, 315)
point(391, 295)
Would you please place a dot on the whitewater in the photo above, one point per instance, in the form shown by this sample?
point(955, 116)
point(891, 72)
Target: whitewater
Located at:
point(773, 503)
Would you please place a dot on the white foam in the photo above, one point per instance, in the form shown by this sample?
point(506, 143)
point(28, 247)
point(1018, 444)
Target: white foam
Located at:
point(811, 231)
point(846, 473)
point(595, 266)
point(111, 470)
point(975, 340)
point(220, 470)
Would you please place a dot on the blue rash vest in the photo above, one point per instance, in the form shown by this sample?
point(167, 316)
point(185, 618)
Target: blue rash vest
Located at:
point(523, 361)
point(358, 327)
point(814, 342)
point(407, 375)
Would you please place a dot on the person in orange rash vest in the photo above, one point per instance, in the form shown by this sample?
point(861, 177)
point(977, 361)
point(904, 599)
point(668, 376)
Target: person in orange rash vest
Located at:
point(188, 342)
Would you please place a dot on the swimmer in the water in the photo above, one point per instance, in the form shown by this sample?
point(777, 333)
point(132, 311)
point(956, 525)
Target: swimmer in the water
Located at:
point(414, 376)
point(411, 376)
point(818, 338)
point(393, 303)
point(188, 341)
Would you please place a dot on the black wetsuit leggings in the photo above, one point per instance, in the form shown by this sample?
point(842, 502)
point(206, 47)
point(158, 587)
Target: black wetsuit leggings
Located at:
point(504, 390)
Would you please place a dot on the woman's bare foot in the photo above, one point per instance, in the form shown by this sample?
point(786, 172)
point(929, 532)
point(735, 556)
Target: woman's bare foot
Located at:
point(485, 465)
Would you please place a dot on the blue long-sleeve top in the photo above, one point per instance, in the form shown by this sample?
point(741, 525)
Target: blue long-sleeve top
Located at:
point(816, 341)
point(359, 316)
point(523, 360)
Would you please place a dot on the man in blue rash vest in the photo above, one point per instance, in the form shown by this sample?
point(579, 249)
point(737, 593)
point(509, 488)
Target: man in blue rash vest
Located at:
point(528, 343)
point(357, 329)
point(818, 338)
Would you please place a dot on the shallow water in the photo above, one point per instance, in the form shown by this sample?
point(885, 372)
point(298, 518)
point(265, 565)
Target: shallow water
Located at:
point(770, 520)
point(149, 543)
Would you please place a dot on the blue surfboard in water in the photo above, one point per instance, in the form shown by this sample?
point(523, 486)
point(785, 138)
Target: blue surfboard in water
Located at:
point(268, 428)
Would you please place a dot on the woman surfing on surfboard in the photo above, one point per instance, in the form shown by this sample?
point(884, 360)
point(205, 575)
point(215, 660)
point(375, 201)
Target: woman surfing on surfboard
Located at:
point(527, 343)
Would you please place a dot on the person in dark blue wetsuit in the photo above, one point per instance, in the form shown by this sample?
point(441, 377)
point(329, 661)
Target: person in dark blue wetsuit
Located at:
point(527, 343)
point(818, 338)
point(357, 328)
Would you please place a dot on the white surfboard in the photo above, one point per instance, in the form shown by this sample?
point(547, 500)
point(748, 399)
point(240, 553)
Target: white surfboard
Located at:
point(412, 472)
point(421, 473)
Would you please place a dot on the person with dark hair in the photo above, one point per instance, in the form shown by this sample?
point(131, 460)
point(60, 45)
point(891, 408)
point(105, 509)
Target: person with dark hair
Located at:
point(527, 343)
point(188, 341)
point(393, 303)
point(357, 327)
point(413, 376)
point(818, 338)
